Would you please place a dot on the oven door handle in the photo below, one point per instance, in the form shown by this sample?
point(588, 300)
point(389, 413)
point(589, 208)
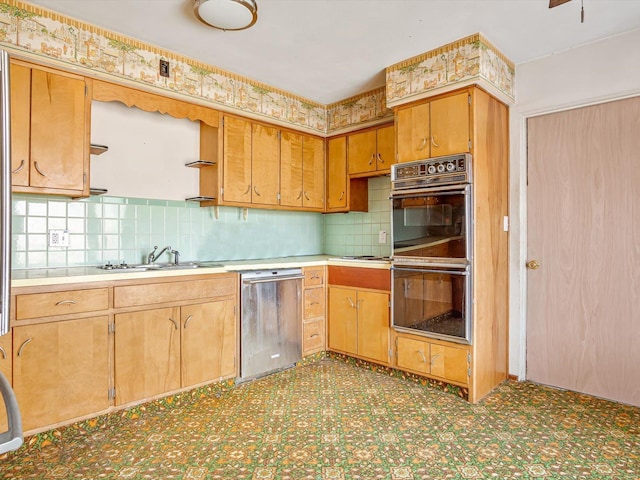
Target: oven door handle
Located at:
point(444, 190)
point(431, 270)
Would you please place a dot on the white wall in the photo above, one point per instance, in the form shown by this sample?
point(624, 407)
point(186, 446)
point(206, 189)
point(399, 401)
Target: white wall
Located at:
point(147, 153)
point(601, 71)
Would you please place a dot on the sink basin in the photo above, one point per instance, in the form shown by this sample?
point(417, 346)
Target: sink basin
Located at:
point(145, 267)
point(172, 266)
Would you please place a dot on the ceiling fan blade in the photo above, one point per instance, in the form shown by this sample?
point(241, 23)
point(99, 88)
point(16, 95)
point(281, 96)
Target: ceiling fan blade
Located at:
point(555, 3)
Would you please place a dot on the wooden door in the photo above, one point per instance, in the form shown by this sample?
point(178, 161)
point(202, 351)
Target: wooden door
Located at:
point(58, 140)
point(6, 357)
point(265, 164)
point(450, 363)
point(386, 147)
point(237, 160)
point(147, 356)
point(313, 172)
point(373, 325)
point(208, 342)
point(413, 133)
point(61, 370)
point(450, 125)
point(20, 124)
point(413, 354)
point(583, 301)
point(343, 320)
point(361, 156)
point(337, 174)
point(291, 169)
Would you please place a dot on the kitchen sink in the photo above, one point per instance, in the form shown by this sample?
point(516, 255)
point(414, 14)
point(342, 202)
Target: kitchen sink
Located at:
point(145, 267)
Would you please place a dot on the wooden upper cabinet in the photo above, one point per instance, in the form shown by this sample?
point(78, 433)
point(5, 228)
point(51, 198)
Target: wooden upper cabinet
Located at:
point(371, 151)
point(337, 174)
point(51, 115)
point(434, 128)
point(265, 164)
point(291, 169)
point(237, 160)
point(313, 172)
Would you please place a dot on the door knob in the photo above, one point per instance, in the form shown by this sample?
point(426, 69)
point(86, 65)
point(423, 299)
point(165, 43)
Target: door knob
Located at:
point(533, 264)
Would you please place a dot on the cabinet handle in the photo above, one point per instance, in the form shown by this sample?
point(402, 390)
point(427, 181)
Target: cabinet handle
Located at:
point(358, 303)
point(434, 142)
point(341, 196)
point(433, 359)
point(4, 354)
point(314, 303)
point(20, 167)
point(353, 305)
point(306, 195)
point(380, 158)
point(299, 195)
point(315, 335)
point(247, 190)
point(188, 319)
point(424, 359)
point(255, 189)
point(24, 344)
point(315, 276)
point(423, 144)
point(66, 302)
point(175, 324)
point(373, 156)
point(35, 165)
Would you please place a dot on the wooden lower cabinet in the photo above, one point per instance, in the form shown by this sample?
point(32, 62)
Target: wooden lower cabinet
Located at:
point(5, 368)
point(359, 323)
point(165, 349)
point(61, 370)
point(425, 357)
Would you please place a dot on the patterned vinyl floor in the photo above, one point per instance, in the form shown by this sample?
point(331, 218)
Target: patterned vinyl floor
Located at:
point(330, 420)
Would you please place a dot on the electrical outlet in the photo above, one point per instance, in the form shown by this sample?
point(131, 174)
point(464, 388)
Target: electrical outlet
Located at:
point(58, 238)
point(382, 236)
point(164, 68)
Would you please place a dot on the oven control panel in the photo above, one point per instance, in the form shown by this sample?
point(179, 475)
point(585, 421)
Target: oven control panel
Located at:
point(447, 170)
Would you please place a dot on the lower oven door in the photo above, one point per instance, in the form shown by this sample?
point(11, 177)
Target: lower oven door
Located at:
point(434, 301)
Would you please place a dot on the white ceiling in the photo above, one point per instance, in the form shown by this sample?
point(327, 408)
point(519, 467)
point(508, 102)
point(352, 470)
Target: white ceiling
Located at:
point(329, 50)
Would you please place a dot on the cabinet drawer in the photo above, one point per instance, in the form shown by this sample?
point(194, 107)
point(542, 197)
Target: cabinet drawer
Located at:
point(49, 304)
point(413, 355)
point(373, 278)
point(313, 336)
point(314, 303)
point(152, 293)
point(313, 276)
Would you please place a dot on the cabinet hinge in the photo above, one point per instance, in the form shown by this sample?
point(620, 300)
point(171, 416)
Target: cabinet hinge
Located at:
point(278, 197)
point(112, 328)
point(469, 99)
point(389, 303)
point(223, 121)
point(112, 393)
point(86, 90)
point(469, 144)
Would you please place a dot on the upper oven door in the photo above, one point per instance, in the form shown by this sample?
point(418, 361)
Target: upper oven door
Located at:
point(432, 224)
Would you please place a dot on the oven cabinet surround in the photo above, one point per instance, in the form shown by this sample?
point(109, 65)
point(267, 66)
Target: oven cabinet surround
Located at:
point(50, 130)
point(75, 345)
point(487, 122)
point(314, 294)
point(344, 193)
point(372, 151)
point(436, 127)
point(359, 314)
point(6, 358)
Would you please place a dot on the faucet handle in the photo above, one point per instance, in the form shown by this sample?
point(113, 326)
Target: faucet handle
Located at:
point(176, 253)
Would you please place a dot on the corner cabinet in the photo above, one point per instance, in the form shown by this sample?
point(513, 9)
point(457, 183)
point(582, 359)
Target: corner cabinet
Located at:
point(344, 194)
point(50, 116)
point(441, 126)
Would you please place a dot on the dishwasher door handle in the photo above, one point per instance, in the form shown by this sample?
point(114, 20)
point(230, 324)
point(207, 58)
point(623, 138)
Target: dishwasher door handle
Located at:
point(272, 279)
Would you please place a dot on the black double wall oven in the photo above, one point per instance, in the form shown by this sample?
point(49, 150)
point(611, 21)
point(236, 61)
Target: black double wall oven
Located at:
point(431, 231)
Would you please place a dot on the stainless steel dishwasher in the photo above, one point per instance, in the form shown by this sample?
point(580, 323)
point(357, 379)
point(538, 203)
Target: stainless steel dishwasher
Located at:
point(270, 338)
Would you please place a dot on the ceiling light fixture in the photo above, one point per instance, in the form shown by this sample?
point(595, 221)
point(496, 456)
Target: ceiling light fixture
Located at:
point(227, 14)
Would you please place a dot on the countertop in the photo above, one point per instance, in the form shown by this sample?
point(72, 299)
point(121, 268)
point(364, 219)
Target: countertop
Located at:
point(63, 275)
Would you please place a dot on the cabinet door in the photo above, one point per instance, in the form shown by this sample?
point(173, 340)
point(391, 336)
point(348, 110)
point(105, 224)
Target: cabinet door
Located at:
point(413, 133)
point(208, 342)
point(313, 172)
point(337, 174)
point(361, 156)
point(61, 370)
point(58, 140)
point(343, 320)
point(450, 125)
point(20, 124)
point(413, 355)
point(373, 325)
point(449, 363)
point(291, 169)
point(386, 147)
point(6, 357)
point(147, 358)
point(265, 164)
point(237, 160)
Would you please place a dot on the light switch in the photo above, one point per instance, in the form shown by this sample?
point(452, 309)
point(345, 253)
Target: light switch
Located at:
point(382, 236)
point(58, 238)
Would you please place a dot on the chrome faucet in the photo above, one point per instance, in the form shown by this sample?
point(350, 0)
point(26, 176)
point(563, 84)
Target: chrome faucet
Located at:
point(153, 256)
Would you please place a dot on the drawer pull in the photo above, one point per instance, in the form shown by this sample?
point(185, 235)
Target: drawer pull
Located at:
point(20, 167)
point(24, 344)
point(315, 276)
point(66, 302)
point(186, 322)
point(314, 335)
point(35, 165)
point(315, 303)
point(4, 354)
point(424, 359)
point(175, 324)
